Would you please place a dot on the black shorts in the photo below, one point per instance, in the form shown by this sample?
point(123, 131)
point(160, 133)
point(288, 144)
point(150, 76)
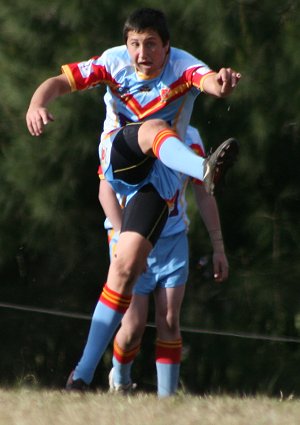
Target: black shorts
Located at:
point(128, 161)
point(146, 213)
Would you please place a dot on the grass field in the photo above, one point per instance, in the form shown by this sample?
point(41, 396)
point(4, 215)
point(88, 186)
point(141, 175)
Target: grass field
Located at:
point(40, 407)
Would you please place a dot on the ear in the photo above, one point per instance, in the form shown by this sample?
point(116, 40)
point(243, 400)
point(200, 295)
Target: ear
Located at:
point(167, 47)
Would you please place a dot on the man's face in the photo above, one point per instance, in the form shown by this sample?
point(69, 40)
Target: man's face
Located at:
point(146, 51)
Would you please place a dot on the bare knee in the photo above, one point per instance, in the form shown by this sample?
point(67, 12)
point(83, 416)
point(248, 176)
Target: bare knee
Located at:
point(128, 269)
point(148, 131)
point(128, 262)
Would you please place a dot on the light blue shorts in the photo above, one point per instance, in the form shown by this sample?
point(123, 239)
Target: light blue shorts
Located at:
point(168, 263)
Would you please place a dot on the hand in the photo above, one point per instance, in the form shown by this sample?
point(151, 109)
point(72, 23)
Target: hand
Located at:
point(220, 266)
point(36, 119)
point(227, 79)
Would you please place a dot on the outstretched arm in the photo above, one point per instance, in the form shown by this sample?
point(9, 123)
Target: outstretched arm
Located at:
point(38, 115)
point(208, 209)
point(222, 83)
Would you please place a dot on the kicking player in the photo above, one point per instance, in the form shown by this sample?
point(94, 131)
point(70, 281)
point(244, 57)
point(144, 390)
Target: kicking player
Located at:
point(151, 89)
point(166, 276)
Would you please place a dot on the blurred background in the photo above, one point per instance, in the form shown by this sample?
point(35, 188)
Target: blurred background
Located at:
point(239, 337)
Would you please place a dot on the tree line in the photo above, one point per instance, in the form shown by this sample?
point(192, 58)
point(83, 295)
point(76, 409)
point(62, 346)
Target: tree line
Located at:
point(53, 250)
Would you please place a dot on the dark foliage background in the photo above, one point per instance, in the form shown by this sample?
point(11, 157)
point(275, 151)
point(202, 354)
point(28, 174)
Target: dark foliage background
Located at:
point(53, 252)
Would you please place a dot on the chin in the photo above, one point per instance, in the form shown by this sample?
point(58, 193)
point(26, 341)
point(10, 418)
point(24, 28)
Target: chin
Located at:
point(146, 70)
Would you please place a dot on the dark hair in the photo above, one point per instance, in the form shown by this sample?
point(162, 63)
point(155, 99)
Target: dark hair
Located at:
point(147, 18)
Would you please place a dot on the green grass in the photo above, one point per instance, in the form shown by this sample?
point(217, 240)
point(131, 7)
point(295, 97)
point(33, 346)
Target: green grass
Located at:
point(41, 407)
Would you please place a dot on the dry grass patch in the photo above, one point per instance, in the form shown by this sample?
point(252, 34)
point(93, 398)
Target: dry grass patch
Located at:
point(34, 407)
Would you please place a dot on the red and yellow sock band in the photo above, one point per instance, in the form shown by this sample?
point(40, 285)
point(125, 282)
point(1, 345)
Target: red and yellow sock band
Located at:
point(115, 300)
point(159, 139)
point(125, 356)
point(168, 352)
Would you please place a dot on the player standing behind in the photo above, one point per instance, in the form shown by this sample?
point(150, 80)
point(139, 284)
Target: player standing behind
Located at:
point(165, 277)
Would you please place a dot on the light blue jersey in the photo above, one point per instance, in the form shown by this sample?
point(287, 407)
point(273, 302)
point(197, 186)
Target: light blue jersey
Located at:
point(132, 97)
